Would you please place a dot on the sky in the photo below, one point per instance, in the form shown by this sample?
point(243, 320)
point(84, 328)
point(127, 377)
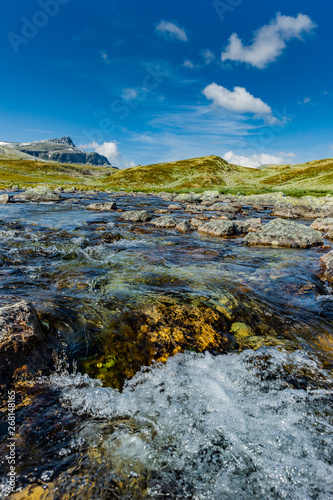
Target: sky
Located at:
point(149, 82)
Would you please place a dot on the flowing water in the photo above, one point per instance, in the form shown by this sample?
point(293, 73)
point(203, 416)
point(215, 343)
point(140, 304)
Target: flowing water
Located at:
point(228, 415)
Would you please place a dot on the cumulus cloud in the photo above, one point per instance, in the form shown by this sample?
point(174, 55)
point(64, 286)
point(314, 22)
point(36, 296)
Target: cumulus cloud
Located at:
point(269, 41)
point(171, 30)
point(238, 100)
point(252, 161)
point(111, 151)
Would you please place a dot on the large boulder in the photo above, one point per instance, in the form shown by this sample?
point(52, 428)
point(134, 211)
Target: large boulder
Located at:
point(39, 193)
point(103, 207)
point(185, 227)
point(164, 221)
point(307, 207)
point(136, 216)
point(280, 232)
point(4, 198)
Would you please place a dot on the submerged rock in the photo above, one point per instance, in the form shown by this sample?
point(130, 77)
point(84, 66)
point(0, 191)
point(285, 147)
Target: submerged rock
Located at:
point(103, 207)
point(136, 216)
point(4, 198)
point(280, 232)
point(164, 221)
point(39, 193)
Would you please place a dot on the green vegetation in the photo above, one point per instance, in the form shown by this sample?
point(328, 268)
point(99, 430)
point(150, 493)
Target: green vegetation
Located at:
point(28, 173)
point(212, 172)
point(198, 174)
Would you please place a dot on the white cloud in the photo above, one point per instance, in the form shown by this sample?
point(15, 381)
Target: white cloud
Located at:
point(111, 151)
point(189, 64)
point(287, 155)
point(252, 161)
point(238, 100)
point(269, 41)
point(208, 56)
point(105, 56)
point(129, 94)
point(143, 138)
point(171, 30)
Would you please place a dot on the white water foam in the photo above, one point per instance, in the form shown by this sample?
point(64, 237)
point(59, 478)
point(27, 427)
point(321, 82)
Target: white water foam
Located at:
point(218, 427)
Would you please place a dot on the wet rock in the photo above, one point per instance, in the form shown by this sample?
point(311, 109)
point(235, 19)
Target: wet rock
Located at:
point(162, 211)
point(219, 227)
point(329, 235)
point(280, 232)
point(307, 207)
point(103, 207)
point(323, 224)
point(196, 222)
point(224, 208)
point(20, 334)
point(194, 208)
point(175, 207)
point(185, 227)
point(38, 194)
point(4, 198)
point(327, 264)
point(136, 216)
point(164, 221)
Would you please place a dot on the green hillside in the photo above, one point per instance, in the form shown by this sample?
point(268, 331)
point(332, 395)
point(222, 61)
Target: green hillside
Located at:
point(213, 171)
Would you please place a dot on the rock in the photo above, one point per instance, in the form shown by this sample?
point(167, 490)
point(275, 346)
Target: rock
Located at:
point(327, 264)
point(20, 335)
point(307, 207)
point(162, 211)
point(280, 232)
point(187, 197)
point(4, 198)
point(194, 208)
point(218, 227)
point(196, 222)
point(329, 235)
point(164, 221)
point(223, 208)
point(70, 190)
point(175, 207)
point(39, 193)
point(323, 224)
point(210, 195)
point(103, 207)
point(58, 190)
point(136, 216)
point(255, 224)
point(166, 196)
point(184, 227)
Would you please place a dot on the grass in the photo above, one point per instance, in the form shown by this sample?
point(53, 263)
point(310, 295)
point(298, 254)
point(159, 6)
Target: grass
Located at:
point(197, 174)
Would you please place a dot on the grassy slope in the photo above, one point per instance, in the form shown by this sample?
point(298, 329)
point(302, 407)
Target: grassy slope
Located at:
point(212, 171)
point(24, 172)
point(195, 174)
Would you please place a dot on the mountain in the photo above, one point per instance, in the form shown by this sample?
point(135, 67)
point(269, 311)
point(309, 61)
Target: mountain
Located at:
point(61, 150)
point(213, 171)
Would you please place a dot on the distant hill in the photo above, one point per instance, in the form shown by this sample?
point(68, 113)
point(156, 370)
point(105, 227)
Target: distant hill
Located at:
point(62, 150)
point(213, 171)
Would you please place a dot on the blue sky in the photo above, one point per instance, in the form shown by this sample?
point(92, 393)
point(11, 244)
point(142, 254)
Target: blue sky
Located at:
point(147, 82)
